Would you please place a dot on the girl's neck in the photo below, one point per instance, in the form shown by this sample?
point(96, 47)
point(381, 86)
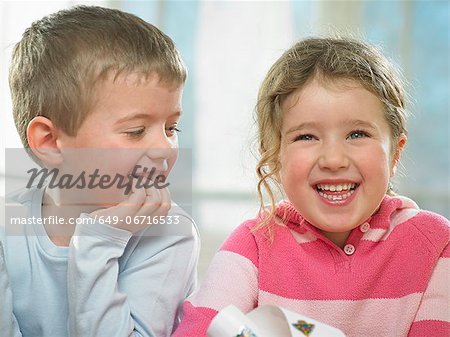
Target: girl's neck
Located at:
point(338, 239)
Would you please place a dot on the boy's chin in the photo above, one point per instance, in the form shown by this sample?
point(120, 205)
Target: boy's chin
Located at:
point(100, 198)
point(113, 198)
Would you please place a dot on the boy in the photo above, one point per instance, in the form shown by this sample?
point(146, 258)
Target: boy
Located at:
point(97, 97)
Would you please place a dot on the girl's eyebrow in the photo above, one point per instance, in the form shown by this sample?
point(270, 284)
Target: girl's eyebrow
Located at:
point(306, 125)
point(347, 122)
point(360, 123)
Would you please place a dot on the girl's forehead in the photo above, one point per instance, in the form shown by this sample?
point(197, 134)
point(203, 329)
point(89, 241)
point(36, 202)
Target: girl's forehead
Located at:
point(344, 103)
point(318, 83)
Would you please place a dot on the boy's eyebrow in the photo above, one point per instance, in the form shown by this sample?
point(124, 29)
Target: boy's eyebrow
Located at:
point(143, 116)
point(350, 122)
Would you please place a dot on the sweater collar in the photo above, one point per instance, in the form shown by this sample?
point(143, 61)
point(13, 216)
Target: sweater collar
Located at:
point(380, 219)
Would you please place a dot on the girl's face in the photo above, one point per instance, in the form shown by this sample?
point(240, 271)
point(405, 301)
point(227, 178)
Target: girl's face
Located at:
point(335, 155)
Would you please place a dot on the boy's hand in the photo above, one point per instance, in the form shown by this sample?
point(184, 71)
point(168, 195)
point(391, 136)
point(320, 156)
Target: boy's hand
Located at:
point(135, 213)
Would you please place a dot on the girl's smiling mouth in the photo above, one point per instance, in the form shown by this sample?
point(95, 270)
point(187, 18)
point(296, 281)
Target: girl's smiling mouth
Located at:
point(336, 193)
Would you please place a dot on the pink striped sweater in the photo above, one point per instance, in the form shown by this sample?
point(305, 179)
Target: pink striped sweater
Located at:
point(391, 279)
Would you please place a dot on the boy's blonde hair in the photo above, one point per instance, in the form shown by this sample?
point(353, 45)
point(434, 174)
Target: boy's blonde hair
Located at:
point(328, 59)
point(62, 57)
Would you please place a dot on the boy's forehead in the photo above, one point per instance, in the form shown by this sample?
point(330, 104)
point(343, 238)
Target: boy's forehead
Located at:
point(136, 78)
point(110, 83)
point(135, 91)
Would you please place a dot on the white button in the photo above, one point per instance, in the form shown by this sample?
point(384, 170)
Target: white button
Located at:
point(364, 227)
point(349, 249)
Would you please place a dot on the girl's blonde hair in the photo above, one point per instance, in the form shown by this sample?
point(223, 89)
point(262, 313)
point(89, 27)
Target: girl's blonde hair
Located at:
point(330, 59)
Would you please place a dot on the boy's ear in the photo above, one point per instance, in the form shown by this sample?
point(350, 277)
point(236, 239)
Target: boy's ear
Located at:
point(42, 139)
point(397, 154)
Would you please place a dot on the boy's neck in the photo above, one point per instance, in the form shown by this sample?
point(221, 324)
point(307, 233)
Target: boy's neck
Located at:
point(60, 217)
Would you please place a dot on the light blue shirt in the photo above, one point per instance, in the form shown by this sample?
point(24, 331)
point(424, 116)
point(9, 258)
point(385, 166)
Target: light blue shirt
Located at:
point(107, 283)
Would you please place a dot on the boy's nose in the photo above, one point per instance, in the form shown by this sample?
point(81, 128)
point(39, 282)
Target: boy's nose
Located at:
point(160, 152)
point(333, 157)
point(146, 164)
point(159, 140)
point(161, 156)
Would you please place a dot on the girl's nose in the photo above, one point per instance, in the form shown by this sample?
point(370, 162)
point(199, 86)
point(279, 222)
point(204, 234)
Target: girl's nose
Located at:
point(333, 157)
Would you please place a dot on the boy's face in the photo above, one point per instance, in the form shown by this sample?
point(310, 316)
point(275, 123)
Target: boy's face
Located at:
point(131, 127)
point(335, 155)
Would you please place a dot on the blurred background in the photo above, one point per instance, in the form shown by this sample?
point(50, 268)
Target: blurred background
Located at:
point(228, 47)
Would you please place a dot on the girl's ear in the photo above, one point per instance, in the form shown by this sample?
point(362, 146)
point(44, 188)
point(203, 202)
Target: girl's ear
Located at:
point(397, 154)
point(42, 135)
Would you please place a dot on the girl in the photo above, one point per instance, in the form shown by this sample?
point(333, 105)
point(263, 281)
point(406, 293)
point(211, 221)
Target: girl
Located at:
point(342, 248)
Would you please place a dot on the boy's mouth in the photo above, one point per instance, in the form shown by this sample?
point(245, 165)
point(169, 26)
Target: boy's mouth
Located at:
point(147, 173)
point(336, 193)
point(148, 176)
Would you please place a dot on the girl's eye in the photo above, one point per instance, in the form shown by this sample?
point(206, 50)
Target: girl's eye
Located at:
point(358, 134)
point(304, 137)
point(136, 133)
point(172, 130)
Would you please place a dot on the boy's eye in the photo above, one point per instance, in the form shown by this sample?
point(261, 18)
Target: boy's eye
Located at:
point(358, 134)
point(172, 130)
point(135, 133)
point(304, 137)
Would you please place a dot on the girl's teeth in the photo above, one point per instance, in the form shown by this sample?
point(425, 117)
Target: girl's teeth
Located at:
point(334, 188)
point(340, 197)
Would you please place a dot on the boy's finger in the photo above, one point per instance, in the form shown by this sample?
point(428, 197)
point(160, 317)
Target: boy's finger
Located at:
point(166, 202)
point(125, 208)
point(134, 202)
point(152, 202)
